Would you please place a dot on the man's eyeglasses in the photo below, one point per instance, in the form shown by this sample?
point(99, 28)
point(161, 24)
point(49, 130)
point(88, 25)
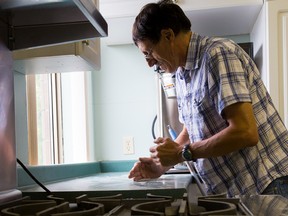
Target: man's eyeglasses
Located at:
point(148, 54)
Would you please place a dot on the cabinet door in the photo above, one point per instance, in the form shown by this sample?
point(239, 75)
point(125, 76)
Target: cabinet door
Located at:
point(89, 50)
point(277, 17)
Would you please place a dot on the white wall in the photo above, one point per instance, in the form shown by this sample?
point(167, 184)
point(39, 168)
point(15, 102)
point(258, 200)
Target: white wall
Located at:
point(124, 102)
point(257, 36)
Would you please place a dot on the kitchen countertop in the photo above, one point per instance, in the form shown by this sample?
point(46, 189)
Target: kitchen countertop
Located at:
point(114, 182)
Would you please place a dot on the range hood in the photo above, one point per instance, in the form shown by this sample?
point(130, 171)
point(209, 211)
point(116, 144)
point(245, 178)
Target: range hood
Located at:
point(35, 23)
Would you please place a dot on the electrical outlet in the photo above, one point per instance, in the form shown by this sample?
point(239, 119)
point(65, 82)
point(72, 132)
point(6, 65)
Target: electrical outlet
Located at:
point(128, 145)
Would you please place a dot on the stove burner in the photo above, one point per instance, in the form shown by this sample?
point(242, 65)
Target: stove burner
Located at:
point(117, 205)
point(51, 207)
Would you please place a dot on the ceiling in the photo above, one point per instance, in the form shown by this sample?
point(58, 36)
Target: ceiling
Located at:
point(208, 17)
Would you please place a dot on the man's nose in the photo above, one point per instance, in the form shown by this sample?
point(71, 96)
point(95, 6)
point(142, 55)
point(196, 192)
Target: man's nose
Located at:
point(151, 62)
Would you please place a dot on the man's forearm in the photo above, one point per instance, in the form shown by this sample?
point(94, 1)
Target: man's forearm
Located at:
point(183, 137)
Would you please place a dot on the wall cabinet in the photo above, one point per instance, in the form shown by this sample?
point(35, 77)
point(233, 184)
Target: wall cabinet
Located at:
point(67, 57)
point(76, 56)
point(270, 37)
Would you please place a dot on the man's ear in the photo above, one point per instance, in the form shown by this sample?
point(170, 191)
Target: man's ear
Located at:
point(168, 34)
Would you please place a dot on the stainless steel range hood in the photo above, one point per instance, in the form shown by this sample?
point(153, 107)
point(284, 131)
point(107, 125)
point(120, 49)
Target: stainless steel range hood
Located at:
point(34, 23)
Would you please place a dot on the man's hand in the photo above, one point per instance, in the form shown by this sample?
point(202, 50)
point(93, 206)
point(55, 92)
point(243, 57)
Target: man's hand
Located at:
point(166, 152)
point(146, 168)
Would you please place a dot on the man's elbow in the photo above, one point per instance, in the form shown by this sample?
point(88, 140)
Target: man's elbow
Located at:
point(252, 138)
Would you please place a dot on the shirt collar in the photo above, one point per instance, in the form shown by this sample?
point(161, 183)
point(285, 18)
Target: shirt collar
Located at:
point(192, 60)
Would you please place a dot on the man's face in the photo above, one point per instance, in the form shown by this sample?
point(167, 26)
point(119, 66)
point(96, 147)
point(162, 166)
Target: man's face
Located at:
point(161, 53)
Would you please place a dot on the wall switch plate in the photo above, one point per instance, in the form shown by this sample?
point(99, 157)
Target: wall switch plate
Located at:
point(128, 145)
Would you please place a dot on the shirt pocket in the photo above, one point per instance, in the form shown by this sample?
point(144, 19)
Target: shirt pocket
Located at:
point(200, 101)
point(206, 119)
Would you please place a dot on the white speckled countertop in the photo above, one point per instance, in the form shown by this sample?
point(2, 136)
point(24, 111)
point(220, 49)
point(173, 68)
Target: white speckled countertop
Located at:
point(116, 182)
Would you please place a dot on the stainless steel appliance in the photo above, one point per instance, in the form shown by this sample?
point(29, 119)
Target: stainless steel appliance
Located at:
point(168, 195)
point(118, 205)
point(152, 204)
point(27, 24)
point(34, 23)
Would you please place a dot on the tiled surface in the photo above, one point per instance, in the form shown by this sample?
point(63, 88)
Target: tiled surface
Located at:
point(49, 173)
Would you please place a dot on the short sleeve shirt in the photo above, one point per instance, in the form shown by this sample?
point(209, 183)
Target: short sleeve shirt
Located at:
point(217, 74)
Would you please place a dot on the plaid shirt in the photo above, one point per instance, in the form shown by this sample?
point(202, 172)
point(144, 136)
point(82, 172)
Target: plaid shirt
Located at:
point(219, 73)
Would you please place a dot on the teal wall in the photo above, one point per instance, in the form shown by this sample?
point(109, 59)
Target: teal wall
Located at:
point(124, 102)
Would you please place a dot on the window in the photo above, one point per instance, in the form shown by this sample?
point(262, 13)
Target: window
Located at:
point(58, 118)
